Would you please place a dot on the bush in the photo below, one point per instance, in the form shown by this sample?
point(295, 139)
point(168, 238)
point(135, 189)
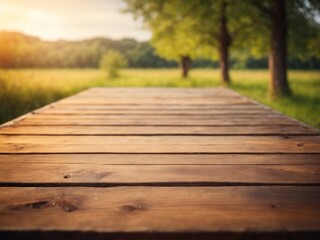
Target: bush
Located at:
point(112, 62)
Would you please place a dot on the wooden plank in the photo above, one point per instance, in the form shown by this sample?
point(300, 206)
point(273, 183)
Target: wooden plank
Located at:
point(161, 107)
point(149, 209)
point(63, 111)
point(84, 116)
point(142, 95)
point(219, 177)
point(159, 92)
point(162, 96)
point(159, 144)
point(158, 130)
point(197, 175)
point(147, 105)
point(243, 117)
point(164, 159)
point(194, 101)
point(156, 122)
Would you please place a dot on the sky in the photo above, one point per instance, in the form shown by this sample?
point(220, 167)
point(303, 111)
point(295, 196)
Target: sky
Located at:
point(70, 19)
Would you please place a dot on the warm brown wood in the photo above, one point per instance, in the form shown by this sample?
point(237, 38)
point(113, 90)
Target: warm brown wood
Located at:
point(158, 163)
point(193, 102)
point(161, 107)
point(159, 130)
point(164, 159)
point(158, 174)
point(159, 96)
point(156, 122)
point(159, 144)
point(157, 92)
point(174, 209)
point(154, 111)
point(243, 117)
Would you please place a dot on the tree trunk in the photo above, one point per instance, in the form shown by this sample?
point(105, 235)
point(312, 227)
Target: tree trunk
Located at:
point(185, 64)
point(224, 44)
point(278, 83)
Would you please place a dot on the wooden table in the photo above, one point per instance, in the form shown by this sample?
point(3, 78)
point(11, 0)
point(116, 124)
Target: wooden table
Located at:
point(158, 163)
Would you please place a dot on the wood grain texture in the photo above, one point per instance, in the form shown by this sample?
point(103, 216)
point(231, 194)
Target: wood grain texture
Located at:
point(158, 163)
point(145, 106)
point(157, 100)
point(158, 174)
point(159, 144)
point(164, 159)
point(154, 112)
point(245, 117)
point(156, 122)
point(158, 130)
point(156, 92)
point(146, 209)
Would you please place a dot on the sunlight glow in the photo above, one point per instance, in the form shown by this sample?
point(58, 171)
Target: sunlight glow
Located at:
point(69, 19)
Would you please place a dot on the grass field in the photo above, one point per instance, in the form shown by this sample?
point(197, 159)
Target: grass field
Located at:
point(24, 90)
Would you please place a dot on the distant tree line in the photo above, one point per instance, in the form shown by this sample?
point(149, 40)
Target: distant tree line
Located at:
point(21, 51)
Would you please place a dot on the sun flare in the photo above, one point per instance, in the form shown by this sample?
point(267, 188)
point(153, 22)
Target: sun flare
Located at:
point(74, 19)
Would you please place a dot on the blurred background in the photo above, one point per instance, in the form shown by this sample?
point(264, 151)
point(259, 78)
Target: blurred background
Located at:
point(268, 50)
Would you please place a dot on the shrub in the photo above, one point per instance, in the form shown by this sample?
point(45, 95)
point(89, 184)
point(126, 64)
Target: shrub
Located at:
point(112, 61)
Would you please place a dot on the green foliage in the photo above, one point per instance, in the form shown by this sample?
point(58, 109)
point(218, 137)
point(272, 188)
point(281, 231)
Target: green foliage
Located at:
point(24, 90)
point(169, 25)
point(112, 62)
point(303, 29)
point(187, 28)
point(143, 56)
point(21, 51)
point(171, 32)
point(182, 27)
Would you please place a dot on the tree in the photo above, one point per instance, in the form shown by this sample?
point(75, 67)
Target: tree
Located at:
point(283, 19)
point(274, 11)
point(173, 44)
point(213, 30)
point(170, 29)
point(222, 27)
point(194, 28)
point(112, 62)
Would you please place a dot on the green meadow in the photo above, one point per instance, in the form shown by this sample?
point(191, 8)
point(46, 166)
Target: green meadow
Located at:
point(24, 90)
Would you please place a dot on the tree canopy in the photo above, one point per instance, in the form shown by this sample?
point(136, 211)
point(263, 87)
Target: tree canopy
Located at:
point(210, 28)
point(190, 28)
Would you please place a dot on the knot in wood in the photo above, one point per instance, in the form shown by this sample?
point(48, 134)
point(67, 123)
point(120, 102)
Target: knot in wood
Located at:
point(132, 207)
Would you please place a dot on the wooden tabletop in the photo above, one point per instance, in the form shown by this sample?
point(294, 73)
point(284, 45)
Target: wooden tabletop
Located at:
point(158, 163)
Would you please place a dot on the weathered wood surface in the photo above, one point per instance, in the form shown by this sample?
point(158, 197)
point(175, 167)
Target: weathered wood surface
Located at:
point(167, 209)
point(165, 159)
point(159, 144)
point(102, 175)
point(62, 121)
point(158, 164)
point(159, 130)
